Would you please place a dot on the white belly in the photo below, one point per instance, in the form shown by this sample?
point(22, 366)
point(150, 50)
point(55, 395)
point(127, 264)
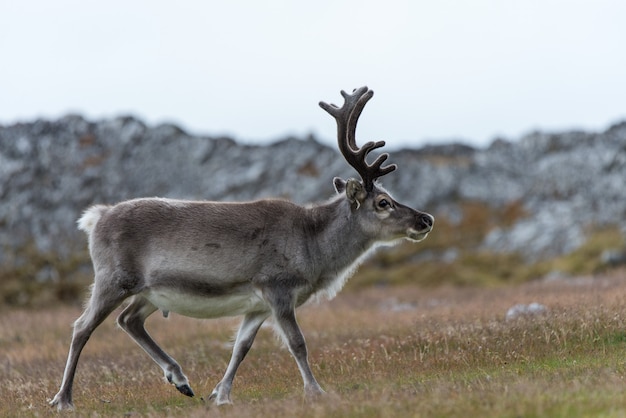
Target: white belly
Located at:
point(206, 307)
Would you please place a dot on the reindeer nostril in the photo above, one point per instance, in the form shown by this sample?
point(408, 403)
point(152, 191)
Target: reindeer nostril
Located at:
point(426, 220)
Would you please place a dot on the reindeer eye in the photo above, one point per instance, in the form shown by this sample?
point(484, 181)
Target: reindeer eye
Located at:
point(383, 203)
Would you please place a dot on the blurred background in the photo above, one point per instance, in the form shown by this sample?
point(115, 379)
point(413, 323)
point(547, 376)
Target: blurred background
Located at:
point(507, 121)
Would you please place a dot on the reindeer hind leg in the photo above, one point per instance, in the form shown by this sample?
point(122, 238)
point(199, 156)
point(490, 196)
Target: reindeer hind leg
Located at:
point(132, 321)
point(101, 303)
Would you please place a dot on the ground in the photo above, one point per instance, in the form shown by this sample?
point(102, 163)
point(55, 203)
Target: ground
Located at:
point(404, 351)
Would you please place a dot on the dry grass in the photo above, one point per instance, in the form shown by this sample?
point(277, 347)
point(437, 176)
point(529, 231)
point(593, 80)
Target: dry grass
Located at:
point(380, 352)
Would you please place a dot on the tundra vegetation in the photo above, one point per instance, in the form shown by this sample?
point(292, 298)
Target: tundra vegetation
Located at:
point(380, 351)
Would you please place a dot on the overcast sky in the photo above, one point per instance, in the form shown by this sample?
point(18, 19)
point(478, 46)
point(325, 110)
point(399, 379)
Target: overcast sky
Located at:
point(255, 70)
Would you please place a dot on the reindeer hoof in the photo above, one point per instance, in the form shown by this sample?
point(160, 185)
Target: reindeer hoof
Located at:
point(219, 399)
point(61, 404)
point(186, 390)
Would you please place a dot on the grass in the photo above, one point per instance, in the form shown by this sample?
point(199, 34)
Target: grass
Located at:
point(399, 351)
point(63, 279)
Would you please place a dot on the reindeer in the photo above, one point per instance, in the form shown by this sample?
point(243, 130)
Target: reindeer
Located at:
point(257, 259)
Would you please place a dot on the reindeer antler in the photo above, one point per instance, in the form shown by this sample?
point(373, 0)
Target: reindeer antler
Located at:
point(347, 117)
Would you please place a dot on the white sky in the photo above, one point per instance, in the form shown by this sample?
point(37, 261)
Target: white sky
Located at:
point(255, 70)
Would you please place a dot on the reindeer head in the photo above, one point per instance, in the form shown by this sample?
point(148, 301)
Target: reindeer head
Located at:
point(382, 216)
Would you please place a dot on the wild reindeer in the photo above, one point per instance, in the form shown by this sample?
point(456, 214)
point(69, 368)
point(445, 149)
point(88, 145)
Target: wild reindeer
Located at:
point(257, 259)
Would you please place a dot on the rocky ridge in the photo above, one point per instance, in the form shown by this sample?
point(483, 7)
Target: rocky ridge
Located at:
point(50, 171)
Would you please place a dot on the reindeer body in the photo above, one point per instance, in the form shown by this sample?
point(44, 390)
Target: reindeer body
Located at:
point(198, 260)
point(257, 259)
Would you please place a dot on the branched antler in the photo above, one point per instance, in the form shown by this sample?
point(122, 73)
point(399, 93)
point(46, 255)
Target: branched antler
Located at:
point(347, 117)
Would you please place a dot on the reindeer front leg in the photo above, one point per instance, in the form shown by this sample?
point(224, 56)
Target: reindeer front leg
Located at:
point(283, 304)
point(245, 337)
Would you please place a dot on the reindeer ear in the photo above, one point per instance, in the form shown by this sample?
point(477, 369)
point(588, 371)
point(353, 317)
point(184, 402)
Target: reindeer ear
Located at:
point(340, 185)
point(355, 191)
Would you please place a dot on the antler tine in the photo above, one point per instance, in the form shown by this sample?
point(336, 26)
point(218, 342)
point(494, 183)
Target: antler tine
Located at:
point(347, 117)
point(357, 107)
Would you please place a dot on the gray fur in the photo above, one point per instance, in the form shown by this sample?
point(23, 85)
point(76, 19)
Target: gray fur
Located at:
point(209, 259)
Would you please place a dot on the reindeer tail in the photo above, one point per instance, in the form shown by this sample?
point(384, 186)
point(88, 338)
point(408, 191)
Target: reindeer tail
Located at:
point(91, 217)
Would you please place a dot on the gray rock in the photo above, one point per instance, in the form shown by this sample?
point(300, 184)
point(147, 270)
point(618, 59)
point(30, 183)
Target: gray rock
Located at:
point(50, 171)
point(522, 310)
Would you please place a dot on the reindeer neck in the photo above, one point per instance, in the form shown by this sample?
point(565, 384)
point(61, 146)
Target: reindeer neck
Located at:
point(338, 239)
